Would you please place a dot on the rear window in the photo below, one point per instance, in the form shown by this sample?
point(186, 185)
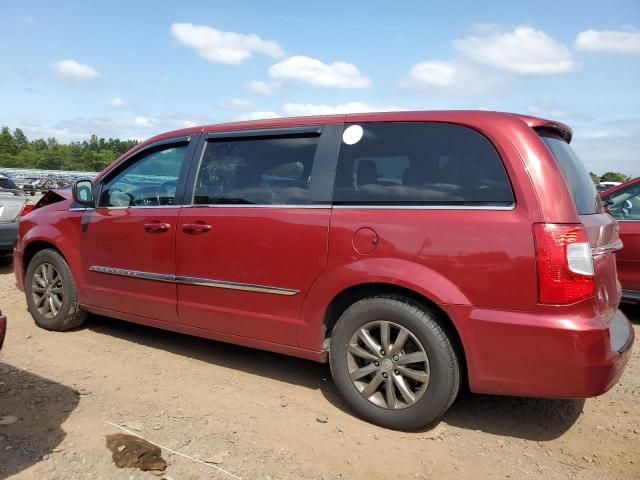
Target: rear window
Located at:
point(419, 163)
point(582, 189)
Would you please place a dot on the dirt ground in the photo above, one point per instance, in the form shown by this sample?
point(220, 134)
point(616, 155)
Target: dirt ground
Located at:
point(255, 414)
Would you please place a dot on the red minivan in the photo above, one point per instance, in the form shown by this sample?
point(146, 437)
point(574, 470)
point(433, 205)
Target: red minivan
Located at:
point(413, 251)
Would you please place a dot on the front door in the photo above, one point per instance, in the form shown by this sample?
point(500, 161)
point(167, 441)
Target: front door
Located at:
point(255, 237)
point(624, 206)
point(128, 241)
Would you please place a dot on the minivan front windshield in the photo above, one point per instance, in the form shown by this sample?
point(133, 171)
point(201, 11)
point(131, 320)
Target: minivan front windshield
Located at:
point(583, 191)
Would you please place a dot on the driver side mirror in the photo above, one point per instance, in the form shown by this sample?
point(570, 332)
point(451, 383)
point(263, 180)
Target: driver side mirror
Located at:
point(83, 193)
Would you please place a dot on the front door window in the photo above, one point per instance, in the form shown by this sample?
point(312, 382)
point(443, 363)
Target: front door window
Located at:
point(149, 182)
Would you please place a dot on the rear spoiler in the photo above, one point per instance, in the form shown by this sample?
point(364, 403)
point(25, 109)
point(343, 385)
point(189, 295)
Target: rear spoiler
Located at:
point(549, 126)
point(557, 129)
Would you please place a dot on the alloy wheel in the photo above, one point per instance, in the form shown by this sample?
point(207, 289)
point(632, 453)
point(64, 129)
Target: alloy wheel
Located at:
point(47, 290)
point(388, 365)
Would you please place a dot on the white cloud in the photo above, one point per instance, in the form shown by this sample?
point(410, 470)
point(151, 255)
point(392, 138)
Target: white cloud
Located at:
point(187, 123)
point(117, 102)
point(440, 78)
point(224, 47)
point(609, 41)
point(314, 72)
point(304, 109)
point(523, 51)
point(237, 103)
point(126, 126)
point(263, 88)
point(144, 122)
point(72, 70)
point(258, 115)
point(609, 146)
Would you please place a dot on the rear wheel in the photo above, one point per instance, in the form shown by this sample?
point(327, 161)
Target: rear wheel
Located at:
point(51, 292)
point(393, 362)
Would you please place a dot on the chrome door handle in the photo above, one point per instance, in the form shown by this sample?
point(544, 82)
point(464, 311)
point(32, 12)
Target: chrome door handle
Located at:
point(157, 227)
point(195, 228)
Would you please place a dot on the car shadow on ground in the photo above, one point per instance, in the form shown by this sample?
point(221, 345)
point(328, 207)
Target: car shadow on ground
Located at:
point(525, 418)
point(41, 406)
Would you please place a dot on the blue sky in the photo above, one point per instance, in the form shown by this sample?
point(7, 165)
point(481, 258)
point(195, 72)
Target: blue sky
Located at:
point(116, 68)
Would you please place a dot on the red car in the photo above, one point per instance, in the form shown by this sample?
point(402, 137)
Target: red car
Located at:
point(623, 203)
point(414, 251)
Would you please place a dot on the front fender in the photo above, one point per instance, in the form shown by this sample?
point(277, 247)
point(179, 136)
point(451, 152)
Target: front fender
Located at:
point(60, 231)
point(402, 273)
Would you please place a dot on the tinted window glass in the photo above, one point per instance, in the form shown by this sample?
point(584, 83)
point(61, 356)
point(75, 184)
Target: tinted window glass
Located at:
point(6, 183)
point(421, 164)
point(625, 204)
point(582, 189)
point(266, 171)
point(150, 180)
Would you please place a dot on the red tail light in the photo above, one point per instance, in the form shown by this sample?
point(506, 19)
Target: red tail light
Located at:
point(26, 209)
point(565, 265)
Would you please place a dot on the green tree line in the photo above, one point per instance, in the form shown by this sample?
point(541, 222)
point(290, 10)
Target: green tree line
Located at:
point(92, 155)
point(609, 177)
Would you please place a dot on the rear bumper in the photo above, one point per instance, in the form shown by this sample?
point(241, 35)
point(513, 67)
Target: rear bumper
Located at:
point(3, 329)
point(544, 354)
point(8, 235)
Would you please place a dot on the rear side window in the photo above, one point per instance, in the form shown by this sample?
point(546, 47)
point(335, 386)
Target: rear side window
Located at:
point(420, 163)
point(582, 189)
point(263, 171)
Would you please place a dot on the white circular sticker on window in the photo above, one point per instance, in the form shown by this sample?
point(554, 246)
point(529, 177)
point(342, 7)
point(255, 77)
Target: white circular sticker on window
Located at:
point(352, 134)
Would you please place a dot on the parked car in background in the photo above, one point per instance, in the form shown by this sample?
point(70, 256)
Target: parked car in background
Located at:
point(26, 185)
point(623, 203)
point(604, 186)
point(11, 205)
point(414, 251)
point(7, 185)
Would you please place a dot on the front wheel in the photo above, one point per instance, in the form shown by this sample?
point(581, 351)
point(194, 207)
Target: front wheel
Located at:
point(393, 363)
point(51, 292)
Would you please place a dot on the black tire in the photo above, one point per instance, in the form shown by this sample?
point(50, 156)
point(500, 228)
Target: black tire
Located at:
point(70, 314)
point(444, 382)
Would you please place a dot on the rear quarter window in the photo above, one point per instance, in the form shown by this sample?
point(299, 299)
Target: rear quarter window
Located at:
point(584, 193)
point(421, 163)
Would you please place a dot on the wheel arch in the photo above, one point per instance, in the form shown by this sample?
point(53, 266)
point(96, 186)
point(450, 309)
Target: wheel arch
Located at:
point(354, 293)
point(36, 246)
point(38, 239)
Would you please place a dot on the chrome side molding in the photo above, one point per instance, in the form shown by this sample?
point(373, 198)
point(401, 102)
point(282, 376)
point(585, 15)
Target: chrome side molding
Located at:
point(203, 282)
point(206, 282)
